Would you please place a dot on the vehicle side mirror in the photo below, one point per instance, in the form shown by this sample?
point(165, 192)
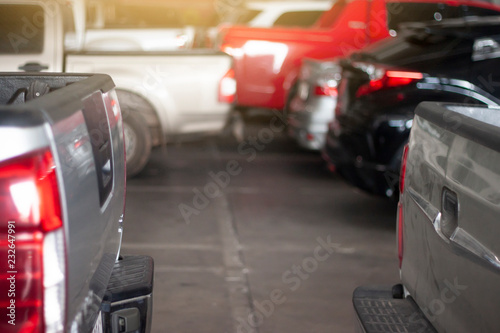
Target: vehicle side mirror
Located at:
point(485, 48)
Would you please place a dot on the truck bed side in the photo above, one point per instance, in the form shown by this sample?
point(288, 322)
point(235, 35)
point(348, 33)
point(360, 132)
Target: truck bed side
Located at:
point(181, 86)
point(451, 206)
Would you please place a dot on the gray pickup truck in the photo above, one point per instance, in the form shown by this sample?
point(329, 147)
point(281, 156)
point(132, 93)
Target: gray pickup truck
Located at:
point(448, 221)
point(62, 199)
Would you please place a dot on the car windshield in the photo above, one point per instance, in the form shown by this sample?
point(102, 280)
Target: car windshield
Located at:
point(329, 17)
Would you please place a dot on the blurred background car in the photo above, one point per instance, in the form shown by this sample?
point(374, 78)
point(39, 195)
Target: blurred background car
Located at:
point(267, 60)
point(135, 26)
point(312, 101)
point(453, 61)
point(267, 14)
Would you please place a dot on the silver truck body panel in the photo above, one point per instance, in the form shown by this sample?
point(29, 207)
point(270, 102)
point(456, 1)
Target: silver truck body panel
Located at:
point(92, 230)
point(450, 265)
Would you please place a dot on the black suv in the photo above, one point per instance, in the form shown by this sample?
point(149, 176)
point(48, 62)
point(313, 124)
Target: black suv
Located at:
point(453, 60)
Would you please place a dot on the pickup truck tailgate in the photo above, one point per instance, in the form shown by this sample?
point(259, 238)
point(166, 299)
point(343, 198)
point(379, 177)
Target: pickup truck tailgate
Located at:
point(451, 206)
point(81, 126)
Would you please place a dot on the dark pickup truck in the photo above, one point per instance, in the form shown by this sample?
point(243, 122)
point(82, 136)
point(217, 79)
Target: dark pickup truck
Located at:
point(62, 200)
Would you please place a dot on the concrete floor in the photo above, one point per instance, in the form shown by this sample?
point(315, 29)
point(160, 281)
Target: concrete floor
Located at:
point(255, 236)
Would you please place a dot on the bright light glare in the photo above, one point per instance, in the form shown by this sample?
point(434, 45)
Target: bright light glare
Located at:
point(54, 281)
point(25, 197)
point(255, 48)
point(181, 40)
point(228, 86)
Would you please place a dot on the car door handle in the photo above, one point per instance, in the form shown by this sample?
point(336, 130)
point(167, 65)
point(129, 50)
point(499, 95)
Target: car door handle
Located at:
point(33, 67)
point(449, 212)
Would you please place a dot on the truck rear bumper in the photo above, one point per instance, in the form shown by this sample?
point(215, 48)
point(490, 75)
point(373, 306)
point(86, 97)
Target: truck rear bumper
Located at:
point(378, 311)
point(128, 301)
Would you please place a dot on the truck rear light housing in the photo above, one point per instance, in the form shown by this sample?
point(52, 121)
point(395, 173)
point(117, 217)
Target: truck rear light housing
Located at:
point(32, 245)
point(227, 87)
point(325, 90)
point(386, 79)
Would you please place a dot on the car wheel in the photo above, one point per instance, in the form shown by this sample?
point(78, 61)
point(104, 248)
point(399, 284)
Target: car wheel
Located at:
point(137, 142)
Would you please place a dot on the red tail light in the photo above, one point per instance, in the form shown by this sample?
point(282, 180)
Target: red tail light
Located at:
point(31, 246)
point(227, 87)
point(402, 175)
point(325, 90)
point(389, 79)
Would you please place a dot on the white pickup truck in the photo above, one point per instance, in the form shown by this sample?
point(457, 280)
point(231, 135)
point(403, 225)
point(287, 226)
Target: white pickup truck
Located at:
point(163, 95)
point(135, 26)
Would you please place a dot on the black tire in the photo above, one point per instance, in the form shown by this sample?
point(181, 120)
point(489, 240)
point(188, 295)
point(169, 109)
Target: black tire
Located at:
point(137, 141)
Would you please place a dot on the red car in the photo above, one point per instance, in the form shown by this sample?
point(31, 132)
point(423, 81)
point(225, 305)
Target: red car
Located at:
point(267, 60)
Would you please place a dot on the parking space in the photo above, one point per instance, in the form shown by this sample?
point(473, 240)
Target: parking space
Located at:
point(267, 241)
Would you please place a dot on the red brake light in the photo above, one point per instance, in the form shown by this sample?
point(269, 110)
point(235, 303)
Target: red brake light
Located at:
point(29, 194)
point(30, 237)
point(325, 90)
point(227, 87)
point(389, 79)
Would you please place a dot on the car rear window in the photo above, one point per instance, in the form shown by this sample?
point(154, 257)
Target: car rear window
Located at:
point(330, 16)
point(247, 16)
point(411, 47)
point(136, 17)
point(298, 18)
point(21, 29)
point(402, 12)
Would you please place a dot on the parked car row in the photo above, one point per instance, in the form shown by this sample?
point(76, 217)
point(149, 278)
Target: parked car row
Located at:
point(267, 60)
point(289, 69)
point(357, 107)
point(440, 161)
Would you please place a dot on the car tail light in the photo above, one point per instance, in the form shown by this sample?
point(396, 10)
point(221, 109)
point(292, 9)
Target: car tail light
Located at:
point(402, 175)
point(328, 82)
point(388, 79)
point(325, 90)
point(32, 246)
point(227, 87)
